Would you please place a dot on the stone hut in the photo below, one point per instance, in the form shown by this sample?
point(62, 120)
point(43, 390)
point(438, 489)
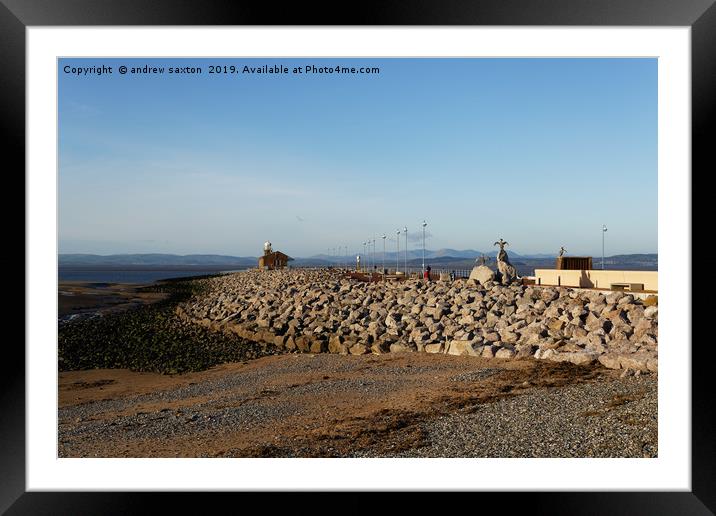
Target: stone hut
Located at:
point(273, 259)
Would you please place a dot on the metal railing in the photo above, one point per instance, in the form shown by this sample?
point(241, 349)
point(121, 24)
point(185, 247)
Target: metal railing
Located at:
point(412, 272)
point(417, 272)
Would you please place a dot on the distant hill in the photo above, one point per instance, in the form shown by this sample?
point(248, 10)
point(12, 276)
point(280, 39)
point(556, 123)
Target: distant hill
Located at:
point(468, 253)
point(413, 253)
point(647, 259)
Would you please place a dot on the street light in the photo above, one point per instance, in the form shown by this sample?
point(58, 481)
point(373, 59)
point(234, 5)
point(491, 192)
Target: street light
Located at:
point(604, 230)
point(424, 224)
point(383, 237)
point(363, 251)
point(370, 252)
point(367, 254)
point(374, 264)
point(397, 254)
point(406, 249)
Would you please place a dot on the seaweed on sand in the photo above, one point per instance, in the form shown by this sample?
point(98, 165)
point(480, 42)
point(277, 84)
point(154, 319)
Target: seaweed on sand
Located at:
point(151, 338)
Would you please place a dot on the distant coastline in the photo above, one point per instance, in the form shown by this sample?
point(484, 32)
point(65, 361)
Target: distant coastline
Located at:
point(134, 274)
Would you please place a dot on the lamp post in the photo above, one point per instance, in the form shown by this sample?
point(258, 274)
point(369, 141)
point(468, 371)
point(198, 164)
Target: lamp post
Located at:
point(397, 254)
point(374, 260)
point(370, 253)
point(424, 224)
point(405, 229)
point(363, 251)
point(383, 237)
point(367, 254)
point(604, 230)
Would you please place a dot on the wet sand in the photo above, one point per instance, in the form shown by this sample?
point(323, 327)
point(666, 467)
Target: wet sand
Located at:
point(80, 297)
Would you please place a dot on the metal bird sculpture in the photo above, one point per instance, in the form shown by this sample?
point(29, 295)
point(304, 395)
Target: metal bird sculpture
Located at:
point(501, 243)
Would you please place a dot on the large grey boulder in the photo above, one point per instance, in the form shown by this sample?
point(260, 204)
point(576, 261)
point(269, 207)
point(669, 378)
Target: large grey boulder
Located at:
point(638, 361)
point(482, 274)
point(399, 348)
point(436, 347)
point(575, 357)
point(460, 347)
point(505, 353)
point(610, 360)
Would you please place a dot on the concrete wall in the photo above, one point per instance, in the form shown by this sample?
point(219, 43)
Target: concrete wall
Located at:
point(596, 278)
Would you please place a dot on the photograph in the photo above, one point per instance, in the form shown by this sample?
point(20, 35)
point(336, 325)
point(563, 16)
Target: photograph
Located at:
point(343, 257)
point(407, 249)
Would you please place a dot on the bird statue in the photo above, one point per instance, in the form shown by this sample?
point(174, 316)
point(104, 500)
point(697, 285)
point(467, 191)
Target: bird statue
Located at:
point(506, 271)
point(501, 243)
point(502, 255)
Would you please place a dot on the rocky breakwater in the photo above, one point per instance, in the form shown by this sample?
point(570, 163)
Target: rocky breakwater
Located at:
point(319, 311)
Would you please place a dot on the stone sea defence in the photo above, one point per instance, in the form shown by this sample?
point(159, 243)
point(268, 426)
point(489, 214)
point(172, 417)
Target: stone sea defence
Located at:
point(320, 311)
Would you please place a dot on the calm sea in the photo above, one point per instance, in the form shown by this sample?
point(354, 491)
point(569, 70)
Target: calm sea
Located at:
point(128, 276)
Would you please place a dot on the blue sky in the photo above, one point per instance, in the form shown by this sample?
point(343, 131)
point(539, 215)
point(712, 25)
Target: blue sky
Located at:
point(541, 152)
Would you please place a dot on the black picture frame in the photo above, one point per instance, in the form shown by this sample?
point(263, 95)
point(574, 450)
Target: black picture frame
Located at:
point(700, 15)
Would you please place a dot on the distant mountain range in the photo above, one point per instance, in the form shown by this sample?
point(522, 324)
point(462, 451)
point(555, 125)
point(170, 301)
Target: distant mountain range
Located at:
point(429, 254)
point(442, 258)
